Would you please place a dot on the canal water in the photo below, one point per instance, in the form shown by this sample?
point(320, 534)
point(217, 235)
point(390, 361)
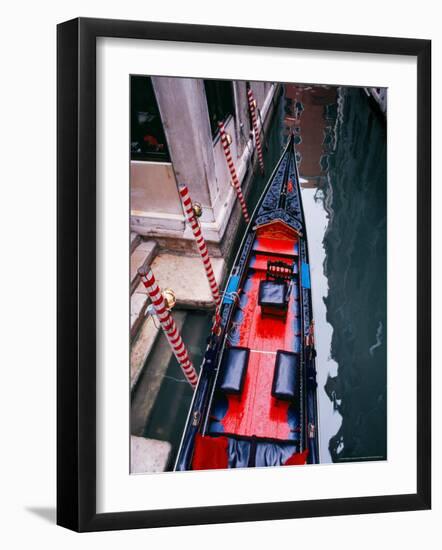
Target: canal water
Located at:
point(341, 148)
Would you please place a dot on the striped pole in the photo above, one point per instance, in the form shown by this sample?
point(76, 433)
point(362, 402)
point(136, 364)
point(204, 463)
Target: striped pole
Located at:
point(235, 180)
point(200, 242)
point(168, 324)
point(252, 107)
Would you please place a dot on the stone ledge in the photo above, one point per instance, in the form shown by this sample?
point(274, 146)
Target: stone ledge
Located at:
point(135, 240)
point(141, 348)
point(186, 276)
point(138, 305)
point(142, 255)
point(148, 455)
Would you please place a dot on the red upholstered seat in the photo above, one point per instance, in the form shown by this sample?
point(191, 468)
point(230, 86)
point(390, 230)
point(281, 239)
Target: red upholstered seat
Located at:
point(279, 247)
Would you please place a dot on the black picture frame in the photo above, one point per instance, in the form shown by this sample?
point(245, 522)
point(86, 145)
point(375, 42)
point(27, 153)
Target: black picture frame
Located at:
point(76, 273)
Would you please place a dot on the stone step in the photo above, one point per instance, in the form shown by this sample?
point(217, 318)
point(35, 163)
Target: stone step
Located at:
point(143, 254)
point(141, 348)
point(138, 305)
point(148, 455)
point(186, 276)
point(135, 240)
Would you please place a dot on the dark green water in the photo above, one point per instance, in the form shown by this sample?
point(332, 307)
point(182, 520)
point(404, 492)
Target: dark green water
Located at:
point(356, 268)
point(342, 154)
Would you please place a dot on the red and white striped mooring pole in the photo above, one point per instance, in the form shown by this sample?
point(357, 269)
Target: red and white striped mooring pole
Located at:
point(168, 324)
point(200, 242)
point(235, 180)
point(252, 107)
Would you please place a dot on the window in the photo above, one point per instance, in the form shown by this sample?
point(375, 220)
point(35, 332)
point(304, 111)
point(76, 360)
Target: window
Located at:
point(219, 94)
point(148, 141)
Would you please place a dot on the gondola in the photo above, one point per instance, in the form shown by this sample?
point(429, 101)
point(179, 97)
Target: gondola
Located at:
point(255, 403)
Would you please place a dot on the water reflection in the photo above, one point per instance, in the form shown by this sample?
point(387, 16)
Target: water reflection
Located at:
point(311, 112)
point(341, 144)
point(356, 268)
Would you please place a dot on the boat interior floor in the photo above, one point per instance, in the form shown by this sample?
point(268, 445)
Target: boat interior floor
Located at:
point(255, 412)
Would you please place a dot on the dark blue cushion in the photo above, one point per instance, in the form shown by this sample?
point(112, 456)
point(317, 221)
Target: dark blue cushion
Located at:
point(286, 376)
point(233, 369)
point(272, 293)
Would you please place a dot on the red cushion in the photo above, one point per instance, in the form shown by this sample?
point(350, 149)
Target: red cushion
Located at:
point(210, 453)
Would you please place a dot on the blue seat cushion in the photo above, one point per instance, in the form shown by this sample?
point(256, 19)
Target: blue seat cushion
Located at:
point(286, 377)
point(273, 454)
point(239, 453)
point(273, 293)
point(233, 369)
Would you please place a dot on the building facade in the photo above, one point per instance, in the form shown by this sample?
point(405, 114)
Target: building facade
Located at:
point(175, 139)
